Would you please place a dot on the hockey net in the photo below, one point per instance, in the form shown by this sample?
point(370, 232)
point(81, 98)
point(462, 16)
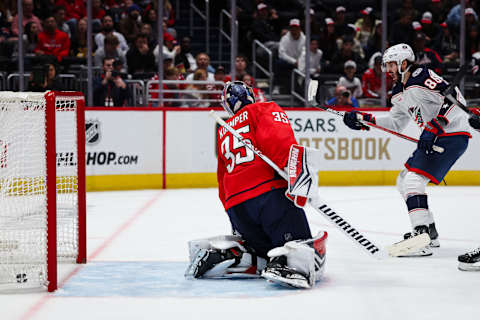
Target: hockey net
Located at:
point(42, 186)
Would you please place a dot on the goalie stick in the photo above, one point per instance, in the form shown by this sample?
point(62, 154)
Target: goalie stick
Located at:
point(312, 93)
point(395, 250)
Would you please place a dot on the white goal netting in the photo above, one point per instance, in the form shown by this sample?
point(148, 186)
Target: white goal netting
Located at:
point(23, 187)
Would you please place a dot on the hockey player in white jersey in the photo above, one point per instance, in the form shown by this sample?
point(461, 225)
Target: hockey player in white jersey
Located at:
point(417, 95)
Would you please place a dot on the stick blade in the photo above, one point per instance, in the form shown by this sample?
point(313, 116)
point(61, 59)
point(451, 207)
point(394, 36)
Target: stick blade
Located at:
point(409, 245)
point(312, 91)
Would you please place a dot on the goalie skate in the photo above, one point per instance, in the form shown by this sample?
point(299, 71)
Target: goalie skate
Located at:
point(470, 261)
point(277, 272)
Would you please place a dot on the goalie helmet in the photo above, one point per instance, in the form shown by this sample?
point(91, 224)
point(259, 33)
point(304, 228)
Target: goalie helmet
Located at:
point(398, 53)
point(235, 96)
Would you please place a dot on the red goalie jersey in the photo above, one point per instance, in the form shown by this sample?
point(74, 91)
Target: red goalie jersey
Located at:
point(241, 174)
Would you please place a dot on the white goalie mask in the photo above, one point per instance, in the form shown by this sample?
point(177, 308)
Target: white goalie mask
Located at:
point(398, 53)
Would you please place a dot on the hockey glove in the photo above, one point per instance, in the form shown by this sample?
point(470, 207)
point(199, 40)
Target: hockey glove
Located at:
point(430, 134)
point(352, 120)
point(474, 121)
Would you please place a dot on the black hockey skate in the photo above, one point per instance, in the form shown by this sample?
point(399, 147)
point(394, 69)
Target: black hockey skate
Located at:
point(277, 272)
point(470, 261)
point(432, 232)
point(423, 252)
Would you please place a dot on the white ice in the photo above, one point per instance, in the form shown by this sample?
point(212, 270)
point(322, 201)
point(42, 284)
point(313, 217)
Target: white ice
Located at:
point(137, 249)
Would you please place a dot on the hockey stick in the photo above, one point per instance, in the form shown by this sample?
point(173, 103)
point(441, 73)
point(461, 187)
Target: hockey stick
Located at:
point(397, 249)
point(451, 89)
point(312, 92)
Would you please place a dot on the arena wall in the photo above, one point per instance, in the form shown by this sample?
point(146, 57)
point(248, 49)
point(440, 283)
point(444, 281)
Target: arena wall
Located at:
point(133, 148)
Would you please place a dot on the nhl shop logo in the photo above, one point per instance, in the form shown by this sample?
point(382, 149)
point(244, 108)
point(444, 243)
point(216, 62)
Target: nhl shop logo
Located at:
point(92, 132)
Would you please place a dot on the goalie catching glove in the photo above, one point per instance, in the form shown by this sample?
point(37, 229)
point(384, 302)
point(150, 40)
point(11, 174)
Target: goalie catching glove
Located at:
point(353, 120)
point(302, 169)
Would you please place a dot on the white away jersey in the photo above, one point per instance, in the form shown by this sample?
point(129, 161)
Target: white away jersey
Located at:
point(421, 100)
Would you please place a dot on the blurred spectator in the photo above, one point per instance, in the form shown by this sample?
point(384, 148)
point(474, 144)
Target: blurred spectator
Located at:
point(219, 75)
point(257, 92)
point(346, 53)
point(453, 17)
point(75, 10)
point(107, 28)
point(170, 48)
point(402, 31)
point(150, 17)
point(430, 28)
point(426, 56)
point(351, 32)
point(340, 21)
point(472, 41)
point(109, 89)
point(130, 25)
point(168, 13)
point(375, 41)
point(45, 78)
point(110, 49)
point(437, 8)
point(372, 78)
point(203, 63)
point(198, 75)
point(407, 8)
point(146, 29)
point(241, 64)
point(51, 41)
point(446, 44)
point(140, 57)
point(328, 42)
point(343, 97)
point(365, 26)
point(315, 25)
point(291, 44)
point(349, 81)
point(28, 16)
point(78, 43)
point(171, 73)
point(315, 59)
point(30, 37)
point(43, 8)
point(265, 27)
point(185, 56)
point(59, 14)
point(97, 11)
point(417, 26)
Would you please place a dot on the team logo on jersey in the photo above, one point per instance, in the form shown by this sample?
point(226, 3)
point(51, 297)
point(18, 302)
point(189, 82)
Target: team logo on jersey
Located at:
point(417, 72)
point(92, 132)
point(416, 115)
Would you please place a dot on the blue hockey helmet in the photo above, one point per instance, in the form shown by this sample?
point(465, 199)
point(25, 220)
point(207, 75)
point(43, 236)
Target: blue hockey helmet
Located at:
point(235, 96)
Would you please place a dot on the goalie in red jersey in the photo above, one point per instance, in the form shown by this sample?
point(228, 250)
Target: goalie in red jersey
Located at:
point(268, 222)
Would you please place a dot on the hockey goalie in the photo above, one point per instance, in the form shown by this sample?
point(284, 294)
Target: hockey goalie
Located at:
point(272, 237)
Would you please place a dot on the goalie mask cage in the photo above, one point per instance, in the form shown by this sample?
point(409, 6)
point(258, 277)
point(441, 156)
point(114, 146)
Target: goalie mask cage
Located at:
point(42, 186)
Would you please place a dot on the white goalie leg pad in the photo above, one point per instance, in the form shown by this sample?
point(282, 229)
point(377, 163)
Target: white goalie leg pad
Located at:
point(307, 257)
point(303, 165)
point(222, 257)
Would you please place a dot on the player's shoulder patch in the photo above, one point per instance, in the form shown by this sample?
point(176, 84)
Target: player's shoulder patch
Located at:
point(417, 72)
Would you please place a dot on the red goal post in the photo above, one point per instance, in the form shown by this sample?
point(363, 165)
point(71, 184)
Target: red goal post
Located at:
point(42, 186)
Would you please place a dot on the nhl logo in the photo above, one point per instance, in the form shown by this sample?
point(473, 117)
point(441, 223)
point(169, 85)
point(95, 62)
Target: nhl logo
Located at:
point(92, 132)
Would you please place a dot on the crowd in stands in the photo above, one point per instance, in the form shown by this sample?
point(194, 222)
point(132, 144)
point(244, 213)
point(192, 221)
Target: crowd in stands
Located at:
point(346, 40)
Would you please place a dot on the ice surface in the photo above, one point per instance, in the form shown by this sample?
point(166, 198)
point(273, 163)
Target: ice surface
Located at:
point(137, 245)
